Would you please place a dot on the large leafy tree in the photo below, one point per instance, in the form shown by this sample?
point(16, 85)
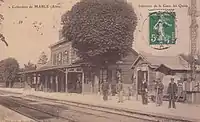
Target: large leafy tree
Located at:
point(2, 38)
point(1, 70)
point(101, 30)
point(9, 70)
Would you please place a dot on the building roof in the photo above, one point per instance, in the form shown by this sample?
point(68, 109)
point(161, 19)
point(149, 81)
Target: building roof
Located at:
point(45, 68)
point(172, 62)
point(58, 43)
point(49, 66)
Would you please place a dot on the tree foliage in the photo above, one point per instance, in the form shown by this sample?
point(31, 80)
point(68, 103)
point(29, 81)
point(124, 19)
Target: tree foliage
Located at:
point(9, 69)
point(2, 38)
point(1, 70)
point(43, 59)
point(100, 30)
point(29, 66)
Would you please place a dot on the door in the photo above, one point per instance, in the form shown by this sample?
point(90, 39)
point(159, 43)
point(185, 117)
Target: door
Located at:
point(74, 82)
point(141, 75)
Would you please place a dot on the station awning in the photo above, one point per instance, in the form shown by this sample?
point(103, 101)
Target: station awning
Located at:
point(46, 68)
point(50, 67)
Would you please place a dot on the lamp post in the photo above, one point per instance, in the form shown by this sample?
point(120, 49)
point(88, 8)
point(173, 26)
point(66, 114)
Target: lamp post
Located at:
point(195, 62)
point(195, 58)
point(193, 13)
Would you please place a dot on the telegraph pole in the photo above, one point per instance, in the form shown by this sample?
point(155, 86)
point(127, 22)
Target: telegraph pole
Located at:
point(193, 13)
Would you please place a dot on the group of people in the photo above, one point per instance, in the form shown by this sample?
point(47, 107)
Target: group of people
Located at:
point(106, 90)
point(159, 90)
point(172, 90)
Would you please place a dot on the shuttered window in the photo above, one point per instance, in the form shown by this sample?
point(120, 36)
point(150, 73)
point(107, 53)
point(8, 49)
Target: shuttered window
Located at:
point(66, 57)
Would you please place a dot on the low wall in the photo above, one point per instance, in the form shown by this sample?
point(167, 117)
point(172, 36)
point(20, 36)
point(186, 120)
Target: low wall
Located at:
point(193, 97)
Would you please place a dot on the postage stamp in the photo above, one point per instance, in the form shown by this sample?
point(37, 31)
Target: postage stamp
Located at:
point(162, 29)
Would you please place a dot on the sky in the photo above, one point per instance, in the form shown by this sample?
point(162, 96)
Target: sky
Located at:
point(29, 31)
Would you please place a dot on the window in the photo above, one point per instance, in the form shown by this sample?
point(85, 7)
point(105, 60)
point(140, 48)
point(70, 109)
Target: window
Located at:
point(88, 77)
point(59, 58)
point(74, 56)
point(86, 80)
point(73, 53)
point(119, 75)
point(103, 75)
point(54, 59)
point(65, 57)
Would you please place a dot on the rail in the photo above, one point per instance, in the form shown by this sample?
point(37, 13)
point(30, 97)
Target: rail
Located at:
point(16, 105)
point(122, 112)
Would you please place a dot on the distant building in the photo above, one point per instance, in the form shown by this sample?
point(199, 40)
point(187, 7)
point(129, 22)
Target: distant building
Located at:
point(150, 67)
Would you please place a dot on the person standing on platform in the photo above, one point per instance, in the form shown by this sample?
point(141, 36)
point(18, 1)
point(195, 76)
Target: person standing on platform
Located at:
point(129, 92)
point(105, 89)
point(172, 91)
point(184, 88)
point(120, 91)
point(144, 92)
point(110, 91)
point(78, 85)
point(159, 92)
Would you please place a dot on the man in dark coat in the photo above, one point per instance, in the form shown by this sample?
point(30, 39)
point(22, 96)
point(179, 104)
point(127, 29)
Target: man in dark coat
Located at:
point(105, 89)
point(172, 91)
point(144, 92)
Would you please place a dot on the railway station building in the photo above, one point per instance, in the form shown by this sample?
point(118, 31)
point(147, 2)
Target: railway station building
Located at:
point(66, 72)
point(150, 67)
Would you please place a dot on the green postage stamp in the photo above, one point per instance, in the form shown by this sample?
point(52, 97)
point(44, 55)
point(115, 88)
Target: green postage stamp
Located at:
point(162, 29)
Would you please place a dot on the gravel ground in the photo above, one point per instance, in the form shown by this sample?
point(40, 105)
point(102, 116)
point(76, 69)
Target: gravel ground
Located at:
point(7, 115)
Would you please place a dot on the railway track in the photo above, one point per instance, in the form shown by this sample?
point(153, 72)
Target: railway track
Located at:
point(80, 112)
point(137, 115)
point(90, 114)
point(35, 114)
